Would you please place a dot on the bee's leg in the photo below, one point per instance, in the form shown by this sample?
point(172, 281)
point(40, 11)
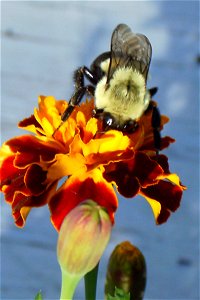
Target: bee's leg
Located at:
point(79, 77)
point(97, 112)
point(153, 91)
point(156, 120)
point(76, 99)
point(156, 123)
point(80, 91)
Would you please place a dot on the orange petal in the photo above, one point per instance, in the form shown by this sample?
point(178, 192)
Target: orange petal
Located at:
point(90, 130)
point(109, 142)
point(66, 165)
point(48, 115)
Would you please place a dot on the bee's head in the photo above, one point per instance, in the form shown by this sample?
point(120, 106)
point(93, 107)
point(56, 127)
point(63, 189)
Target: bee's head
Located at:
point(110, 122)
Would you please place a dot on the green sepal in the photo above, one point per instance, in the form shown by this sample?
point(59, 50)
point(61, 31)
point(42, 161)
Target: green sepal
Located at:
point(119, 295)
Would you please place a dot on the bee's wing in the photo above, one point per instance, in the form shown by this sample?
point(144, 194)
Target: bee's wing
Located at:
point(129, 50)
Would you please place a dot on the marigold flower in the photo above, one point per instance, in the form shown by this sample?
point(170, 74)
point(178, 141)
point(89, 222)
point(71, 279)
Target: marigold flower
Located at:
point(91, 162)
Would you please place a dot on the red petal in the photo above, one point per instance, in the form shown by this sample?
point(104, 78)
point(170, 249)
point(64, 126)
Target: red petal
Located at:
point(162, 160)
point(166, 141)
point(26, 144)
point(12, 179)
point(29, 121)
point(127, 185)
point(35, 178)
point(28, 181)
point(75, 191)
point(163, 216)
point(8, 171)
point(23, 202)
point(149, 145)
point(169, 196)
point(130, 175)
point(24, 159)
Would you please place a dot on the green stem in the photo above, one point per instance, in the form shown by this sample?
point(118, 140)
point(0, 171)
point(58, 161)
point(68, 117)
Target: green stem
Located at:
point(69, 283)
point(91, 284)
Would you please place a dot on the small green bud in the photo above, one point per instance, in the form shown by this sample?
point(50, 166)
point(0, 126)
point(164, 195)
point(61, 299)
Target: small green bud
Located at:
point(127, 271)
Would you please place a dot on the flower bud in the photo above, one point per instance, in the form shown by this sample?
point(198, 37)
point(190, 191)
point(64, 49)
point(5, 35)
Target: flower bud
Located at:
point(127, 271)
point(83, 237)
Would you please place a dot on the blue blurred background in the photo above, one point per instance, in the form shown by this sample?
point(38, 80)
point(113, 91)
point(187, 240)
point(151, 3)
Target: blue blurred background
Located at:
point(43, 42)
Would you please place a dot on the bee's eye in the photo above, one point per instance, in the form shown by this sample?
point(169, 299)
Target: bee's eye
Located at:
point(108, 121)
point(130, 126)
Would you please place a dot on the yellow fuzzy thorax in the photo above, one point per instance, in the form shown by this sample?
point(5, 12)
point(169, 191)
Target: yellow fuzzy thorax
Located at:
point(125, 95)
point(127, 84)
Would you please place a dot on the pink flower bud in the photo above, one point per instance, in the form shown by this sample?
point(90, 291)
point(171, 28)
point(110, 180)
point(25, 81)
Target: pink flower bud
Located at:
point(83, 237)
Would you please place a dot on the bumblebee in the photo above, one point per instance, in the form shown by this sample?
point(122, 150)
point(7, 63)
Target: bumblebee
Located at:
point(118, 80)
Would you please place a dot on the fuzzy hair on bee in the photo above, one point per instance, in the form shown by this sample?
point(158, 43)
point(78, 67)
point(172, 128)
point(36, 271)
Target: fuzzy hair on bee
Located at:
point(125, 97)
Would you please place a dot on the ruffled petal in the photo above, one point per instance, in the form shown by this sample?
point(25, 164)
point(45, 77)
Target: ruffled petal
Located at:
point(35, 178)
point(111, 146)
point(109, 142)
point(48, 113)
point(23, 203)
point(66, 165)
point(133, 174)
point(164, 198)
point(31, 124)
point(7, 168)
point(11, 178)
point(21, 216)
point(24, 145)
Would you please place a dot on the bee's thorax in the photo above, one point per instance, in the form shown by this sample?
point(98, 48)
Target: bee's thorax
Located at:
point(125, 95)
